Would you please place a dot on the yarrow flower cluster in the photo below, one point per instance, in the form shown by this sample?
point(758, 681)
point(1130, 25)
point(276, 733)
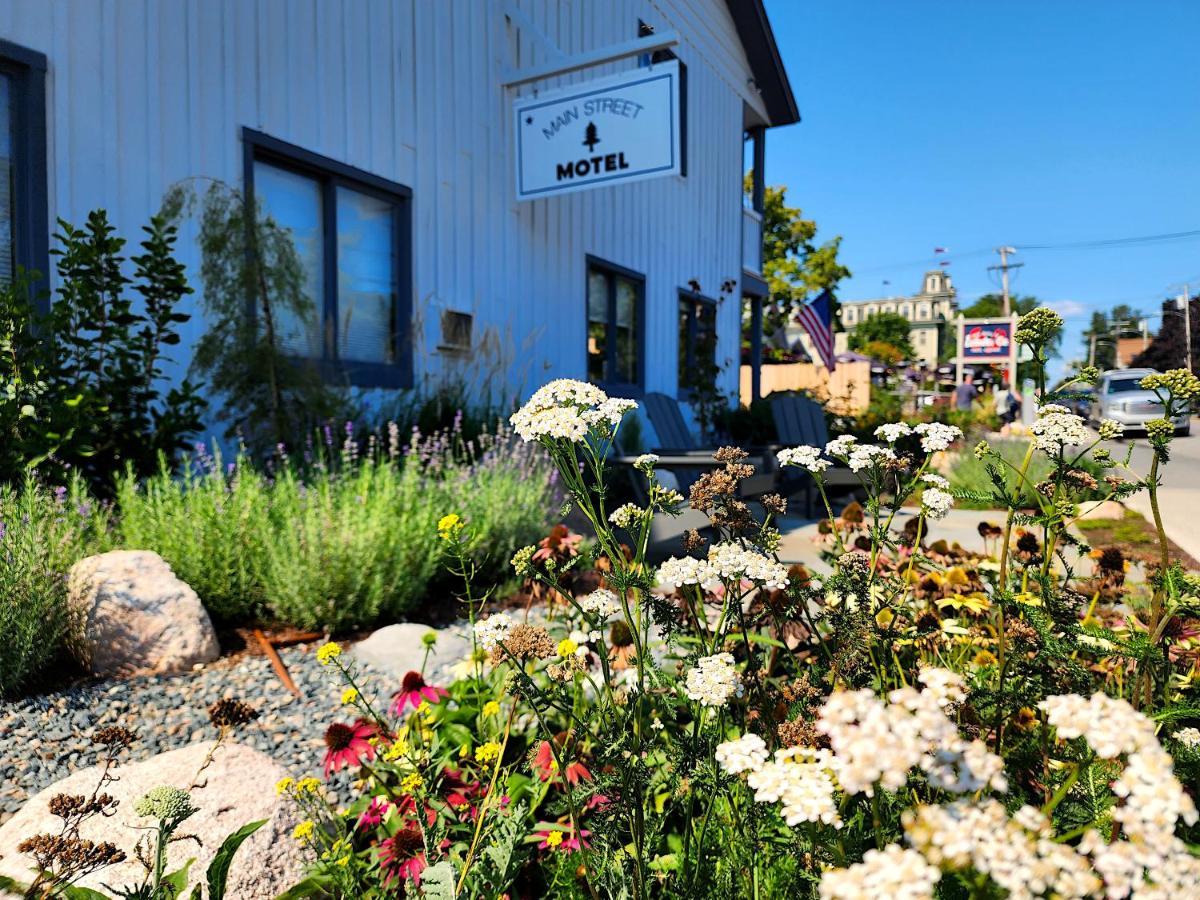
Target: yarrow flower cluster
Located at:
point(602, 603)
point(804, 457)
point(1037, 327)
point(743, 754)
point(1179, 384)
point(863, 456)
point(626, 516)
point(1018, 854)
point(1189, 737)
point(713, 680)
point(646, 462)
point(879, 743)
point(936, 503)
point(1056, 427)
point(937, 436)
point(892, 872)
point(165, 803)
point(840, 446)
point(570, 410)
point(493, 630)
point(1109, 430)
point(893, 431)
point(726, 561)
point(800, 780)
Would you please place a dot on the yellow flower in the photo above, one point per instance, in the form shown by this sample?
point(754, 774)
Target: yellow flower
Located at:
point(464, 751)
point(884, 618)
point(328, 652)
point(411, 783)
point(450, 526)
point(1028, 599)
point(344, 861)
point(395, 751)
point(304, 830)
point(283, 785)
point(984, 658)
point(975, 603)
point(554, 838)
point(349, 695)
point(491, 708)
point(488, 752)
point(567, 647)
point(308, 785)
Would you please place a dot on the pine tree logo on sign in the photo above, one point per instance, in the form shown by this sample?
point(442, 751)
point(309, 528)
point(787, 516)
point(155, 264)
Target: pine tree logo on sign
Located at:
point(629, 126)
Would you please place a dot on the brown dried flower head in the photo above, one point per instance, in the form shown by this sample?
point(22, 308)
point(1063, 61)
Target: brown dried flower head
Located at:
point(114, 737)
point(230, 713)
point(526, 642)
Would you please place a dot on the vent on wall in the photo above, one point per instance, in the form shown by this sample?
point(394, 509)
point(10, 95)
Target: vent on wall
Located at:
point(456, 331)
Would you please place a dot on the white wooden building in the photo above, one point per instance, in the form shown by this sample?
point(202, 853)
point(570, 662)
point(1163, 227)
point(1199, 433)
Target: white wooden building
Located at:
point(384, 128)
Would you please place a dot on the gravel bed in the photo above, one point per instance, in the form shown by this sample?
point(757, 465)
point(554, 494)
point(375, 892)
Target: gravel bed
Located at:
point(43, 738)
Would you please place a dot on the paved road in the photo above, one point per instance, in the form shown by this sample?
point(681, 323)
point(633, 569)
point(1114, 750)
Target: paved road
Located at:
point(1179, 496)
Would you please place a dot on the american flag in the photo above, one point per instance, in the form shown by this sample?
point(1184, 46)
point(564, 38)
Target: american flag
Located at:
point(817, 318)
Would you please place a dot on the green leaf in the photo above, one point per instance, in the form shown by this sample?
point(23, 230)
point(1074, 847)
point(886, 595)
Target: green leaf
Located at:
point(312, 886)
point(177, 881)
point(74, 892)
point(437, 882)
point(218, 869)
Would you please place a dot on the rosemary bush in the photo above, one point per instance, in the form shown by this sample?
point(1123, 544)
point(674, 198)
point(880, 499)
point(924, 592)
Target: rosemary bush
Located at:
point(921, 722)
point(338, 537)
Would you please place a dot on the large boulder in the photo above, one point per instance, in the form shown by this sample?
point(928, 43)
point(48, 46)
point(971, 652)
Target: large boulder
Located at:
point(138, 616)
point(399, 649)
point(237, 788)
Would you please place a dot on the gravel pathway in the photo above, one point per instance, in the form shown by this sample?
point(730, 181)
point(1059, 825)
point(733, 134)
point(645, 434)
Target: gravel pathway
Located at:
point(43, 738)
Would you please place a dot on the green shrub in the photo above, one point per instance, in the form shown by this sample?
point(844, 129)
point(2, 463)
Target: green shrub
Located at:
point(969, 475)
point(42, 533)
point(341, 537)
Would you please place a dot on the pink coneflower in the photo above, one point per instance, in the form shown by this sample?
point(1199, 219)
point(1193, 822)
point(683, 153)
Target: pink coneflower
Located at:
point(402, 856)
point(547, 766)
point(413, 690)
point(562, 838)
point(374, 813)
point(348, 745)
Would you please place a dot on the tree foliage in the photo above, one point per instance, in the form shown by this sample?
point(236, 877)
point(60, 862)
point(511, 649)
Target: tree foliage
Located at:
point(795, 266)
point(84, 381)
point(1167, 351)
point(883, 328)
point(1106, 327)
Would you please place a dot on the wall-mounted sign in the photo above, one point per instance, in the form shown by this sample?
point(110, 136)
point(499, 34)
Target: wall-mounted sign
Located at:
point(986, 341)
point(606, 131)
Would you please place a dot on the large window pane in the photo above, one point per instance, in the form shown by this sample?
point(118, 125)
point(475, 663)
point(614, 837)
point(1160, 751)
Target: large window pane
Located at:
point(597, 312)
point(366, 264)
point(7, 245)
point(293, 201)
point(627, 304)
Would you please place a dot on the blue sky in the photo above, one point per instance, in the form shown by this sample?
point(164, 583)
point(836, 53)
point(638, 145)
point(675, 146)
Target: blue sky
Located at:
point(971, 124)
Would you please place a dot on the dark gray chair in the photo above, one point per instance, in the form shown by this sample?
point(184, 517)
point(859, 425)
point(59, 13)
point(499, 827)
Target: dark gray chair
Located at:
point(800, 420)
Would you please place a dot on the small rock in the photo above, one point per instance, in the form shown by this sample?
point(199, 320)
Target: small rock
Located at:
point(399, 649)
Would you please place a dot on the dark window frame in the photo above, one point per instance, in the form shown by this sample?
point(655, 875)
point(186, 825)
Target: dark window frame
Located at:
point(31, 229)
point(330, 175)
point(613, 271)
point(696, 301)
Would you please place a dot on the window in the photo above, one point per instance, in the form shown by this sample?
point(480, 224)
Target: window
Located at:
point(697, 338)
point(352, 232)
point(24, 233)
point(850, 312)
point(614, 324)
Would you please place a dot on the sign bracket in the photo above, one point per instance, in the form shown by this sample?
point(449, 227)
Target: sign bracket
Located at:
point(659, 41)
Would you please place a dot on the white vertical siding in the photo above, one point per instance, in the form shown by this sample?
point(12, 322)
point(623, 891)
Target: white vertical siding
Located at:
point(143, 93)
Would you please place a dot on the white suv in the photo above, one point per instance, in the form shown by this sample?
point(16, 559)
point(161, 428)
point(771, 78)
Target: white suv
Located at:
point(1120, 397)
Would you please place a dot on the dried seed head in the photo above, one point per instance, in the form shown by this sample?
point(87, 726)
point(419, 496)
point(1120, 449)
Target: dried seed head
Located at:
point(230, 713)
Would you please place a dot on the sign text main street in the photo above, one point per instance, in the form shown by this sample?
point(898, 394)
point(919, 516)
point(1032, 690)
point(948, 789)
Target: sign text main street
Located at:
point(605, 131)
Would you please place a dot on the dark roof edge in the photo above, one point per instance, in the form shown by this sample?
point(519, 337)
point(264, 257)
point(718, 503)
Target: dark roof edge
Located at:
point(758, 40)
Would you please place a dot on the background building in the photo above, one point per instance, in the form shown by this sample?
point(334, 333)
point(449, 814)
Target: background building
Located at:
point(927, 310)
point(381, 132)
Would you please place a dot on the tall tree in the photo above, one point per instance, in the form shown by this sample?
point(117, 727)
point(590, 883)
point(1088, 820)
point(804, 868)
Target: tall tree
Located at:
point(796, 268)
point(887, 328)
point(1166, 351)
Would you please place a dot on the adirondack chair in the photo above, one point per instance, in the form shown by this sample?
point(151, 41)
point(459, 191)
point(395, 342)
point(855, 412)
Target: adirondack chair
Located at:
point(681, 453)
point(800, 420)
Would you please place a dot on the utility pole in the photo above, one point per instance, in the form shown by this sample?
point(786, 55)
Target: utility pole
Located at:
point(1003, 268)
point(1187, 327)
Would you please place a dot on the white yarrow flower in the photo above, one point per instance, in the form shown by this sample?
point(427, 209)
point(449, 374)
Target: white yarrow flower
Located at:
point(937, 436)
point(936, 503)
point(741, 755)
point(804, 457)
point(893, 431)
point(494, 629)
point(602, 603)
point(713, 680)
